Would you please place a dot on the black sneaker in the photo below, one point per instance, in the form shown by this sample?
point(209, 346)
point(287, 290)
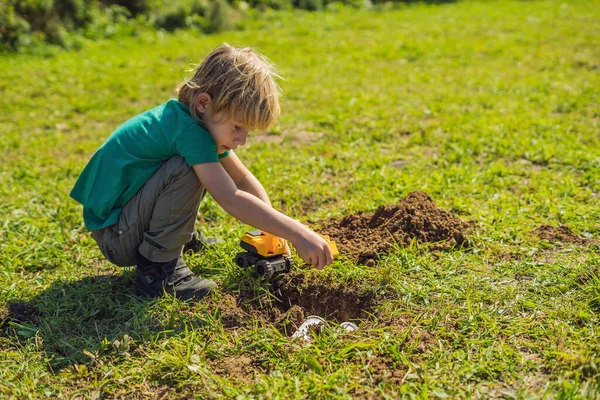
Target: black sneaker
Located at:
point(174, 277)
point(200, 242)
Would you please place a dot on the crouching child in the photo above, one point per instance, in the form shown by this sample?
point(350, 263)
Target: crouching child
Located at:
point(142, 188)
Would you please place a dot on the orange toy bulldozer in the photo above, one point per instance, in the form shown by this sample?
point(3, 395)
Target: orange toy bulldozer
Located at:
point(267, 253)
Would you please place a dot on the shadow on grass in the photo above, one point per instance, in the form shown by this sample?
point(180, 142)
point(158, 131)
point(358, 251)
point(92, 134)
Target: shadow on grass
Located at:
point(98, 314)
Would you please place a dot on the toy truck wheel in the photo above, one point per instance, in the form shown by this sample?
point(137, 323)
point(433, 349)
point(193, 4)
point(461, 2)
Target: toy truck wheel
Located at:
point(264, 268)
point(288, 264)
point(242, 260)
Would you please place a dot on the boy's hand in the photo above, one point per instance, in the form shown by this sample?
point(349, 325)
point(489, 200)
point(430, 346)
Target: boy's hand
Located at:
point(252, 211)
point(313, 249)
point(288, 252)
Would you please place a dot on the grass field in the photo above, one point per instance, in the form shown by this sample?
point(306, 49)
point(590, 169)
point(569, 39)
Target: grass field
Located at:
point(493, 109)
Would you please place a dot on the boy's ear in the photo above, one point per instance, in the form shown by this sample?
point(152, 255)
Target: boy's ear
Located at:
point(202, 102)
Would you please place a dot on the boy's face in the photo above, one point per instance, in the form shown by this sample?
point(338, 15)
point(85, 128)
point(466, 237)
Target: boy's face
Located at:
point(227, 134)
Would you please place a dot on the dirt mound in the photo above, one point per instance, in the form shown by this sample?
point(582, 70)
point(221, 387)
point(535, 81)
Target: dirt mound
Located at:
point(558, 234)
point(363, 236)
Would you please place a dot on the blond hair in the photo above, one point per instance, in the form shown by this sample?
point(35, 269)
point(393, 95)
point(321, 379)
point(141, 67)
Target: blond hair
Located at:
point(240, 82)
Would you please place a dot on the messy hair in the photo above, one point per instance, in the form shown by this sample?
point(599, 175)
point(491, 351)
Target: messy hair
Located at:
point(240, 81)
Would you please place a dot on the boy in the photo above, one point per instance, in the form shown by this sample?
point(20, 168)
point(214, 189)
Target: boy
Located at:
point(142, 189)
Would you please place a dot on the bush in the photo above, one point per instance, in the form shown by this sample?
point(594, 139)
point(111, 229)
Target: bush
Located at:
point(14, 30)
point(135, 7)
point(220, 17)
point(180, 14)
point(25, 22)
point(108, 22)
point(310, 5)
point(215, 16)
point(271, 4)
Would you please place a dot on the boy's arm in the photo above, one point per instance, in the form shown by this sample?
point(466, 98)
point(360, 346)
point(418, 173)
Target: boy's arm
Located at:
point(249, 209)
point(243, 178)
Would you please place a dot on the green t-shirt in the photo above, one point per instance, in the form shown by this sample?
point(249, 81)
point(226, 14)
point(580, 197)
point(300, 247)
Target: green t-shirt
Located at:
point(129, 157)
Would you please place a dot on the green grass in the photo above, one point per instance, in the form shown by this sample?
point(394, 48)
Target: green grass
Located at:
point(495, 108)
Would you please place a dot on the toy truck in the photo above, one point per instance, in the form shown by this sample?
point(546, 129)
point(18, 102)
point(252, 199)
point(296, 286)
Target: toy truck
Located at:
point(267, 253)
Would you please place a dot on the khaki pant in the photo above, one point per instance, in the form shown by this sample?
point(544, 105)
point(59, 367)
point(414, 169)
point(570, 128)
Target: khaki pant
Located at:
point(158, 220)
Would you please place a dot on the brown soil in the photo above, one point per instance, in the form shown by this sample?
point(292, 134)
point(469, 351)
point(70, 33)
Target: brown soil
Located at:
point(330, 301)
point(294, 298)
point(382, 371)
point(141, 391)
point(18, 312)
point(363, 236)
point(385, 370)
point(560, 234)
point(238, 367)
point(290, 321)
point(231, 314)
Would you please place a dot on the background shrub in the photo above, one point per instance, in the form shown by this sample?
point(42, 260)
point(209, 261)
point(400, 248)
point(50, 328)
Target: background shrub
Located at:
point(14, 30)
point(180, 14)
point(311, 5)
point(220, 17)
point(26, 22)
point(270, 4)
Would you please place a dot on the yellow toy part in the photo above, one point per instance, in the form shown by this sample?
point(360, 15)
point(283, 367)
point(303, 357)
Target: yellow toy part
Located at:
point(331, 243)
point(332, 246)
point(267, 245)
point(263, 243)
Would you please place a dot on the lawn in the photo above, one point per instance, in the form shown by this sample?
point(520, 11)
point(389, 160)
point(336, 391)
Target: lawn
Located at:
point(491, 108)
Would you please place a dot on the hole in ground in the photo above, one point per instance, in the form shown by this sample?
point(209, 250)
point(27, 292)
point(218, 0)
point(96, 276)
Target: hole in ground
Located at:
point(337, 302)
point(295, 298)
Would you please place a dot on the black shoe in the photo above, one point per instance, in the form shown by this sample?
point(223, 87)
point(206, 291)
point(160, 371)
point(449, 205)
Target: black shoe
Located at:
point(174, 277)
point(200, 242)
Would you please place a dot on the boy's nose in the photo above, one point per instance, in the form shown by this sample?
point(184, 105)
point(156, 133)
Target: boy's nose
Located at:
point(241, 139)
